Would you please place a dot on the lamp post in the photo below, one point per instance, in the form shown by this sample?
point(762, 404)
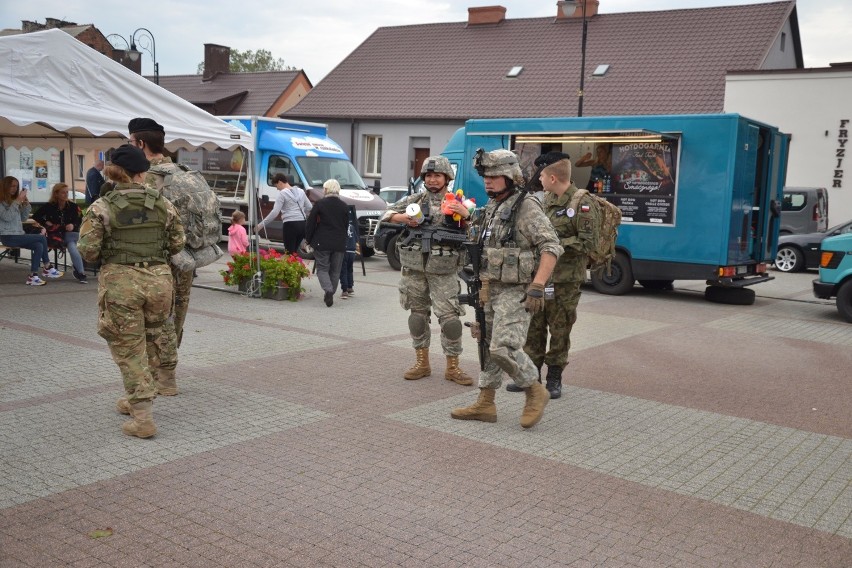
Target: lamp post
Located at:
point(146, 42)
point(568, 8)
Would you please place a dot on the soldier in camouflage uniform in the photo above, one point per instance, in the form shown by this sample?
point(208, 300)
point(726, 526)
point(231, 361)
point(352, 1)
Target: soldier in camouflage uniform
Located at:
point(132, 232)
point(429, 279)
point(519, 251)
point(149, 136)
point(574, 224)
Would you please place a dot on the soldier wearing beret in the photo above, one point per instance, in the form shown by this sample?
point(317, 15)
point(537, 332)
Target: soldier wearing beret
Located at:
point(149, 136)
point(574, 218)
point(519, 251)
point(132, 232)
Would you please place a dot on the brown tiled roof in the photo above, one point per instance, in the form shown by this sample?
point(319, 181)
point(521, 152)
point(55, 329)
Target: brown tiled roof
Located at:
point(666, 62)
point(255, 93)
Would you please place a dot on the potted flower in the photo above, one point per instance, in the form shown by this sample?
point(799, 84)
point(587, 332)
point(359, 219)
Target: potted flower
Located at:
point(281, 274)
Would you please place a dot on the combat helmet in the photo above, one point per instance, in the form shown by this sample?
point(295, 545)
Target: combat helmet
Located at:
point(439, 165)
point(498, 163)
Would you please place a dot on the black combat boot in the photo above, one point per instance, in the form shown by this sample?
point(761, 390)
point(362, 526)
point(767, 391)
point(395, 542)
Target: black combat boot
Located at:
point(554, 381)
point(512, 387)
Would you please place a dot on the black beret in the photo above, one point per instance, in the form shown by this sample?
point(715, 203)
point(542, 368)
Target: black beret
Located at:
point(551, 158)
point(131, 158)
point(144, 125)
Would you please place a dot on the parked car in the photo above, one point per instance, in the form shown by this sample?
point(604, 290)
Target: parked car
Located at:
point(804, 210)
point(393, 193)
point(835, 273)
point(798, 252)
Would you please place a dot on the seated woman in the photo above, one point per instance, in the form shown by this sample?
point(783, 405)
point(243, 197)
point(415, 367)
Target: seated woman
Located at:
point(62, 219)
point(14, 210)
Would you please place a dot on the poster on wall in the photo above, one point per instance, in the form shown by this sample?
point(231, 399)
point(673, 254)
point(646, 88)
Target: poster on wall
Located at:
point(643, 181)
point(26, 160)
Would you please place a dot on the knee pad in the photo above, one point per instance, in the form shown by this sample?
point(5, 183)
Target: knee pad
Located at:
point(452, 329)
point(502, 359)
point(418, 324)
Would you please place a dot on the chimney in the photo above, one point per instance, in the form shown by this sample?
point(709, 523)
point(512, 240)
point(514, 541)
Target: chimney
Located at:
point(217, 59)
point(591, 9)
point(485, 15)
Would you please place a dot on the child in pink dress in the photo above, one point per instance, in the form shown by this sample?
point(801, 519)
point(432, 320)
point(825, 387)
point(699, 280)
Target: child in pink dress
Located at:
point(237, 237)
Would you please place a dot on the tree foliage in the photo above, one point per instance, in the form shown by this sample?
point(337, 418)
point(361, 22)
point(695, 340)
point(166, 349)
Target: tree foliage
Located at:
point(249, 61)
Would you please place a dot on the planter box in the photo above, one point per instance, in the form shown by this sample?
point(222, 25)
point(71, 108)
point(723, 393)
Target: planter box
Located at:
point(280, 293)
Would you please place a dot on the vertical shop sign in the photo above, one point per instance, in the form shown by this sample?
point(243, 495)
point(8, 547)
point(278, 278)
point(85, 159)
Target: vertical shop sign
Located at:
point(840, 153)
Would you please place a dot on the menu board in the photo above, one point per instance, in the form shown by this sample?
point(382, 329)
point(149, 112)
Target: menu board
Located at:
point(642, 181)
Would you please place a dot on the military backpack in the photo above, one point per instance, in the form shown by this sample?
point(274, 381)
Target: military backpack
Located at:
point(606, 231)
point(199, 212)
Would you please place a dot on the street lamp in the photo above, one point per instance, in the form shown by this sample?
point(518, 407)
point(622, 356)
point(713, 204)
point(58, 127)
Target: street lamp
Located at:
point(146, 42)
point(568, 8)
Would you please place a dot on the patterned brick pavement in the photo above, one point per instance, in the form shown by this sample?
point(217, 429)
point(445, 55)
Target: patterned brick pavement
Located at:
point(689, 434)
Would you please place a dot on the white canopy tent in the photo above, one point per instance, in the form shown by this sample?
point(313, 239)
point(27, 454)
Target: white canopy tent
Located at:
point(58, 92)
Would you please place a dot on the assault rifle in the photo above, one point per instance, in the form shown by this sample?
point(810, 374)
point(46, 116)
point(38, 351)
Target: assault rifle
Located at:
point(429, 235)
point(470, 276)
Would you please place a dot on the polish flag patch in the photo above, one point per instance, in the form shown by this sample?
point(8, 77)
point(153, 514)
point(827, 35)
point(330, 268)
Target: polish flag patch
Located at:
point(584, 208)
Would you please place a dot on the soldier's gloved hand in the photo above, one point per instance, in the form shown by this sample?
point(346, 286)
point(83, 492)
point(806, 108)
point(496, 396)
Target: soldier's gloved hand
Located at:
point(475, 331)
point(534, 300)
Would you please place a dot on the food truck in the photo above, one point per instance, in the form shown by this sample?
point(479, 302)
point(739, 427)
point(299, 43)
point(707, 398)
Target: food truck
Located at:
point(700, 195)
point(301, 150)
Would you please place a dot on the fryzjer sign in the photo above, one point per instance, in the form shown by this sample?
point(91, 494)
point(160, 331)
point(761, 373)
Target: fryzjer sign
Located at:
point(643, 181)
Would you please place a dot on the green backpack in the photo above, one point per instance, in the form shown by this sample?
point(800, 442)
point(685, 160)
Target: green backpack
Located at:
point(606, 231)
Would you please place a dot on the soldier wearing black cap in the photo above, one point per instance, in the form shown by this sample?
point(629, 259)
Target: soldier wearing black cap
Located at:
point(574, 217)
point(149, 136)
point(132, 232)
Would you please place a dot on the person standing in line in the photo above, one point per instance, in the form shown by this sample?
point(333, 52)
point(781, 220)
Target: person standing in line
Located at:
point(149, 137)
point(133, 231)
point(293, 205)
point(519, 251)
point(347, 270)
point(325, 231)
point(574, 224)
point(15, 208)
point(237, 237)
point(429, 281)
point(61, 217)
point(94, 181)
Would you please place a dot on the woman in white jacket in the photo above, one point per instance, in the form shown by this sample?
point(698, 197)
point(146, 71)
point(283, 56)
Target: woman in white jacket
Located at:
point(293, 205)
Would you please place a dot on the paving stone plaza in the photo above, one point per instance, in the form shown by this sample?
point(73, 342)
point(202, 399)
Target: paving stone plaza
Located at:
point(689, 434)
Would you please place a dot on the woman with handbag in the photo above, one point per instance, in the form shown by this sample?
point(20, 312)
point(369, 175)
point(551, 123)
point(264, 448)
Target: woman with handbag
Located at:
point(293, 205)
point(62, 217)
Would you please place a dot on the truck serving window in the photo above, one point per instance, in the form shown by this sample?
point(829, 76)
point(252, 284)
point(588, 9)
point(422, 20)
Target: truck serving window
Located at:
point(637, 171)
point(318, 170)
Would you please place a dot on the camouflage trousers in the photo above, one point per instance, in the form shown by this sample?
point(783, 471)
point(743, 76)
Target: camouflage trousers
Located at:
point(507, 323)
point(428, 293)
point(558, 318)
point(132, 307)
point(183, 286)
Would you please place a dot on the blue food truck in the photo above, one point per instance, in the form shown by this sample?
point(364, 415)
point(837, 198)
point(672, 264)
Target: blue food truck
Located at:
point(700, 195)
point(301, 150)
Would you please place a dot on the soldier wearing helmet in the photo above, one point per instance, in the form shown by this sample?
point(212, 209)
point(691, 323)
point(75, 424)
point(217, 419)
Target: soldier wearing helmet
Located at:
point(429, 282)
point(519, 251)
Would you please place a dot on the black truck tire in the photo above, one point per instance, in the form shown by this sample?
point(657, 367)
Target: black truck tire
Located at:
point(619, 280)
point(393, 254)
point(732, 296)
point(844, 300)
point(657, 284)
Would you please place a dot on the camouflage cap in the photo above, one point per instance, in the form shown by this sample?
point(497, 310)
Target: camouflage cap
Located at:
point(499, 163)
point(438, 164)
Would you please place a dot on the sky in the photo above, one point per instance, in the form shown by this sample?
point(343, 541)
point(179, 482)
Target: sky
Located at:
point(317, 36)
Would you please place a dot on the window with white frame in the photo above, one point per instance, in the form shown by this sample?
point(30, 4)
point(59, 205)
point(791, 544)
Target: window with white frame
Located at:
point(81, 170)
point(373, 155)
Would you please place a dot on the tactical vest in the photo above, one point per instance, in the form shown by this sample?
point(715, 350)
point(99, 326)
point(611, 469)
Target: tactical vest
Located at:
point(137, 226)
point(508, 256)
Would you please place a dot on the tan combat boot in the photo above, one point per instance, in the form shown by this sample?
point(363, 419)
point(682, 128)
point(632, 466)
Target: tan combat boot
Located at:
point(421, 367)
point(123, 405)
point(537, 399)
point(142, 425)
point(165, 382)
point(483, 409)
point(454, 373)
